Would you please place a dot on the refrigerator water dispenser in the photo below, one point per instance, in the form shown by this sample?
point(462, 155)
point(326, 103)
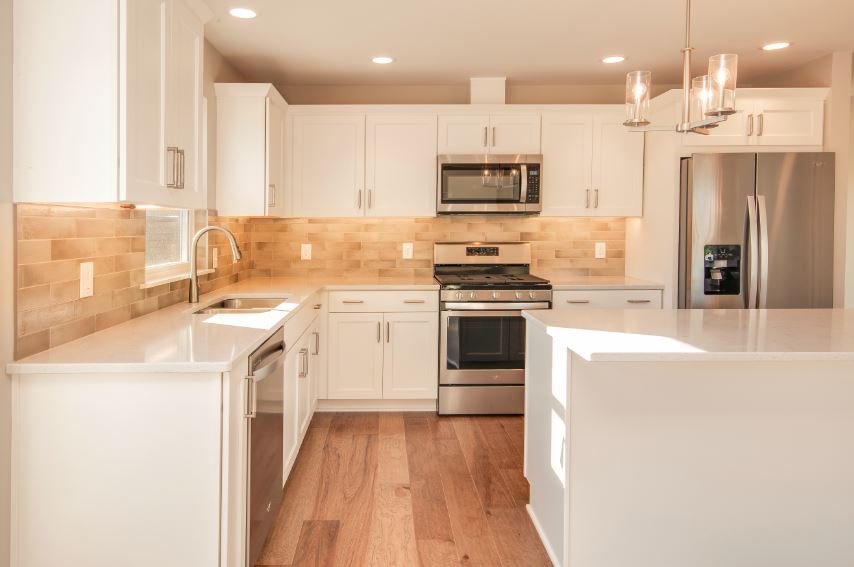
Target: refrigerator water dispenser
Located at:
point(722, 269)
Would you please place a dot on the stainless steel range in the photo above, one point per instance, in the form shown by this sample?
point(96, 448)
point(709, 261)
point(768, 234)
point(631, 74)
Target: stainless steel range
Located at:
point(484, 288)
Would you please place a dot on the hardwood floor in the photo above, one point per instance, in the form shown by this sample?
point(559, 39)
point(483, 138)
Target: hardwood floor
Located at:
point(406, 489)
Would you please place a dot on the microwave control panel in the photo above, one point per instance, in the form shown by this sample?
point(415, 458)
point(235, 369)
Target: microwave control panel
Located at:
point(533, 195)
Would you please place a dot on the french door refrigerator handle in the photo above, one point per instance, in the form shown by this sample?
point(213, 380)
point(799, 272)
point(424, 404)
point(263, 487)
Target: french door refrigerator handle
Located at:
point(753, 239)
point(763, 252)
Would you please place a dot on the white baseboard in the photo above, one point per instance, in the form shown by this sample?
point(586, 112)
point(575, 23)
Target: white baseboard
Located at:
point(539, 528)
point(376, 405)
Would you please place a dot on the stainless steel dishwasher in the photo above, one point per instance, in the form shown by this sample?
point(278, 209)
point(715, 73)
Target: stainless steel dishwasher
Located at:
point(264, 420)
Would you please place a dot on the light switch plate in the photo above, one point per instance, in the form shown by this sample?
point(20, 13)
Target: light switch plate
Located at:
point(214, 258)
point(407, 251)
point(305, 252)
point(601, 250)
point(87, 279)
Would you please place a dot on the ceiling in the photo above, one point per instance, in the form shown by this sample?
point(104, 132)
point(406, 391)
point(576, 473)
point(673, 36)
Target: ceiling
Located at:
point(323, 42)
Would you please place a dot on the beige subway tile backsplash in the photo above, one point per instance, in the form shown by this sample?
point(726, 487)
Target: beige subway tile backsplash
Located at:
point(54, 239)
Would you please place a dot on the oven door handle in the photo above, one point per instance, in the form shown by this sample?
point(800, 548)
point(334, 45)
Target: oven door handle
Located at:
point(489, 309)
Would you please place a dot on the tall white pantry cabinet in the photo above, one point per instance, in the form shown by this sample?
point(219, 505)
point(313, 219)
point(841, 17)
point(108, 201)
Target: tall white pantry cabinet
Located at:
point(108, 101)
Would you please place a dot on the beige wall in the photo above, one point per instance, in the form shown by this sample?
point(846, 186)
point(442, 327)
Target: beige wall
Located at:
point(216, 70)
point(453, 94)
point(816, 73)
point(6, 269)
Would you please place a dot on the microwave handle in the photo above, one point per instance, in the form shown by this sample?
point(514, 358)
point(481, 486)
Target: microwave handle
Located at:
point(524, 173)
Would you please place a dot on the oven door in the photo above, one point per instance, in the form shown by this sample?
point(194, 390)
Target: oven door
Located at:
point(482, 347)
point(482, 187)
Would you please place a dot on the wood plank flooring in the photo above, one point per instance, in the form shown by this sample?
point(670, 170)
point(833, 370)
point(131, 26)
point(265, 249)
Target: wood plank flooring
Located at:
point(406, 489)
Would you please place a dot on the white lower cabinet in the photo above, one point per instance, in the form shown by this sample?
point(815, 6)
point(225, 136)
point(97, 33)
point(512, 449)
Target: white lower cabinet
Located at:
point(409, 364)
point(608, 299)
point(383, 355)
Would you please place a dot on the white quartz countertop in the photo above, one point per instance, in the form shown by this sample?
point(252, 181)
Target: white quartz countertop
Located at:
point(569, 283)
point(606, 335)
point(176, 340)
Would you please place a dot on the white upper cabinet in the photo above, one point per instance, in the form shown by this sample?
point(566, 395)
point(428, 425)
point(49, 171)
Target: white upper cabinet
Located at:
point(400, 166)
point(250, 150)
point(329, 165)
point(464, 134)
point(769, 118)
point(131, 76)
point(499, 133)
point(567, 159)
point(617, 174)
point(514, 134)
point(592, 165)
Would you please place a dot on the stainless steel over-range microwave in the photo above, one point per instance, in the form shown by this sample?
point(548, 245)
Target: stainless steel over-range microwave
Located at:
point(489, 184)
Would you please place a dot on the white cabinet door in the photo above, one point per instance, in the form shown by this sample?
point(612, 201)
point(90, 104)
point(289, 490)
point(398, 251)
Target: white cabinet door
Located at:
point(567, 155)
point(356, 362)
point(328, 165)
point(400, 165)
point(410, 358)
point(184, 107)
point(290, 399)
point(304, 388)
point(144, 166)
point(617, 167)
point(463, 134)
point(789, 122)
point(736, 130)
point(275, 162)
point(514, 134)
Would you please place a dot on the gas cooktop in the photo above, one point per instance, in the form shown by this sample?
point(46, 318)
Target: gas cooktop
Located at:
point(492, 281)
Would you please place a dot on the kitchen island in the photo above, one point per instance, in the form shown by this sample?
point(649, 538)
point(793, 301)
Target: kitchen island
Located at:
point(702, 438)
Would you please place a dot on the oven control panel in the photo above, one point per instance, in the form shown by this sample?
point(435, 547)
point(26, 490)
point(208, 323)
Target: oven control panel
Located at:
point(481, 250)
point(499, 295)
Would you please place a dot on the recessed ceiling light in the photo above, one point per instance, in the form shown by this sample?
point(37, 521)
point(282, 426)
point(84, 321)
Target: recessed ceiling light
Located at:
point(776, 45)
point(614, 59)
point(383, 60)
point(243, 13)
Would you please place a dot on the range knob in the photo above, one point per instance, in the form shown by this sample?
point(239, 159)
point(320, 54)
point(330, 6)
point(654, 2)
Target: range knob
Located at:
point(518, 295)
point(495, 295)
point(459, 296)
point(473, 295)
point(532, 294)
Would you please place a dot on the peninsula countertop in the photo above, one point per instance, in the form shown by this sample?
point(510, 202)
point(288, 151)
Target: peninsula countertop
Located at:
point(606, 335)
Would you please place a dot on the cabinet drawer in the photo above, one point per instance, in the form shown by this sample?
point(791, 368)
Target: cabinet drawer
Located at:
point(383, 301)
point(608, 299)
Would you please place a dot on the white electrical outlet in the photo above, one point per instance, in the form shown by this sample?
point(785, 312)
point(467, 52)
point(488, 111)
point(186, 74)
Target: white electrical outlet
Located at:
point(214, 258)
point(305, 252)
point(87, 279)
point(407, 251)
point(601, 250)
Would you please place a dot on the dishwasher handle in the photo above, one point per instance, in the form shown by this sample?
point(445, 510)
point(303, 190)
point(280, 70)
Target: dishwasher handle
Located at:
point(263, 367)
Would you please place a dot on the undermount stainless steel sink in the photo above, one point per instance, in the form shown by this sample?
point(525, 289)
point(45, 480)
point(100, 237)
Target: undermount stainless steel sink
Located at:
point(242, 305)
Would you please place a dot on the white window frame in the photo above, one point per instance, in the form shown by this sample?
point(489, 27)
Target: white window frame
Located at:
point(173, 271)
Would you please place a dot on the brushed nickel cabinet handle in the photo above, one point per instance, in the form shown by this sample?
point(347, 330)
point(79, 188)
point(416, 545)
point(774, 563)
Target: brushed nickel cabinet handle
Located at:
point(316, 343)
point(587, 199)
point(271, 195)
point(577, 301)
point(359, 206)
point(352, 301)
point(414, 301)
point(749, 124)
point(485, 137)
point(173, 151)
point(379, 332)
point(639, 301)
point(493, 136)
point(761, 129)
point(317, 306)
point(303, 362)
point(181, 157)
point(370, 198)
point(596, 198)
point(387, 332)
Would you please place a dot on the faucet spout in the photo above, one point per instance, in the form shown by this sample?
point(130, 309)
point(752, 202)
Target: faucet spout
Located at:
point(194, 269)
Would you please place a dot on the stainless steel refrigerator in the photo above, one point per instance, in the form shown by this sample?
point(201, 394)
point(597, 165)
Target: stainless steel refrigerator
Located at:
point(756, 231)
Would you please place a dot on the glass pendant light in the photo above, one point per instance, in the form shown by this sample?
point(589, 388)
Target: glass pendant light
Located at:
point(701, 97)
point(637, 98)
point(723, 71)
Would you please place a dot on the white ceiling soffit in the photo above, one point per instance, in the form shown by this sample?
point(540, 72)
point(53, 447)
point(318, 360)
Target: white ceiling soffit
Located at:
point(331, 42)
